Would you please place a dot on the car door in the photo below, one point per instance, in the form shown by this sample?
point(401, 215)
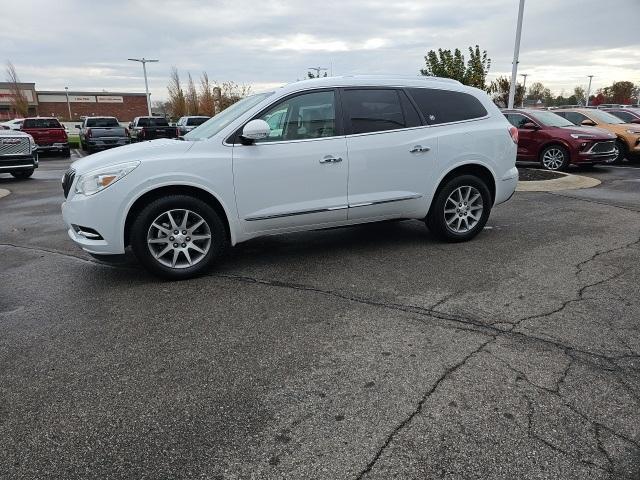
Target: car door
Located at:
point(297, 176)
point(527, 141)
point(391, 154)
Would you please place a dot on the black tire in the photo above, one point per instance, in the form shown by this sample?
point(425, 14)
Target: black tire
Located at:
point(142, 225)
point(622, 152)
point(22, 174)
point(436, 219)
point(561, 158)
point(66, 153)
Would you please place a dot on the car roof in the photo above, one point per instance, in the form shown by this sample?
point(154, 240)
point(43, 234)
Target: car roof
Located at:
point(373, 81)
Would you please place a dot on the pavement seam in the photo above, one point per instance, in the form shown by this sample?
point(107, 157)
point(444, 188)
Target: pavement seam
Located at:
point(629, 209)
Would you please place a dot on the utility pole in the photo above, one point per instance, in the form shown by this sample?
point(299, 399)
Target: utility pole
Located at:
point(524, 87)
point(318, 70)
point(66, 91)
point(586, 103)
point(516, 53)
point(144, 62)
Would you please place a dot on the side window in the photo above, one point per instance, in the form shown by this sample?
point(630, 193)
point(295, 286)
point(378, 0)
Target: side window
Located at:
point(411, 115)
point(516, 119)
point(373, 110)
point(575, 117)
point(310, 115)
point(444, 106)
point(624, 116)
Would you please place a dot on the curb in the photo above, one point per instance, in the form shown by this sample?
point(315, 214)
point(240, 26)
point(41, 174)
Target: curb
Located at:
point(567, 182)
point(4, 192)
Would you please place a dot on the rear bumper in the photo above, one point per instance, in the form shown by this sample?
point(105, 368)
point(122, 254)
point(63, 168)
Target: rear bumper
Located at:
point(12, 163)
point(54, 147)
point(107, 142)
point(506, 186)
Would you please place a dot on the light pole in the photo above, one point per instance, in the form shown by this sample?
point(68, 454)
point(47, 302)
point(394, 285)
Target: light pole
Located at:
point(318, 70)
point(146, 83)
point(516, 53)
point(586, 102)
point(66, 91)
point(524, 87)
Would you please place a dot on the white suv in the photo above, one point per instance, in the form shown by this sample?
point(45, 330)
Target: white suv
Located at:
point(314, 154)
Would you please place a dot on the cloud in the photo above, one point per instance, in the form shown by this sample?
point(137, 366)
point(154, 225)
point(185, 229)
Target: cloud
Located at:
point(86, 44)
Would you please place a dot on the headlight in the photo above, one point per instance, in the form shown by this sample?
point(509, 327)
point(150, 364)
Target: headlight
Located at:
point(634, 132)
point(582, 135)
point(97, 180)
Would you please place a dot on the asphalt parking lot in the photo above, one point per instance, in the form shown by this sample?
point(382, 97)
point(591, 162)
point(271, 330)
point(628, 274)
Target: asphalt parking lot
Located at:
point(370, 352)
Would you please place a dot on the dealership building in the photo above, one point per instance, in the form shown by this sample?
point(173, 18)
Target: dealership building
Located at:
point(60, 103)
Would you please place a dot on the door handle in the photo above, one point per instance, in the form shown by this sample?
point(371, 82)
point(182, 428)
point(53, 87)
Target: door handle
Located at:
point(331, 159)
point(419, 149)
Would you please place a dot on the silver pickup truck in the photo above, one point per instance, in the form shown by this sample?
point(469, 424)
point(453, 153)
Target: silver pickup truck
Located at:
point(18, 153)
point(97, 133)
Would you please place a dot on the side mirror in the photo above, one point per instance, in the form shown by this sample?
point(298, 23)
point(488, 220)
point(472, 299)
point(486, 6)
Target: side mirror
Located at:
point(529, 126)
point(588, 123)
point(256, 130)
point(635, 120)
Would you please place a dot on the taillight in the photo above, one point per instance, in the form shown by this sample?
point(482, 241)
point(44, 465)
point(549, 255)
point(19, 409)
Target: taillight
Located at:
point(88, 134)
point(513, 131)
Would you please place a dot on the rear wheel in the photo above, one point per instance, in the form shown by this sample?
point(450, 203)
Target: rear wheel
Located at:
point(21, 174)
point(554, 157)
point(621, 151)
point(460, 210)
point(178, 237)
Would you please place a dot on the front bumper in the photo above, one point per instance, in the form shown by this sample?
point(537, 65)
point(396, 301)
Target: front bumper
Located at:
point(12, 163)
point(592, 158)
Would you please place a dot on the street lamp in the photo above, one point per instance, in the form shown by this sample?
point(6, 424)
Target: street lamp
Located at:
point(66, 91)
point(586, 103)
point(524, 87)
point(516, 53)
point(146, 83)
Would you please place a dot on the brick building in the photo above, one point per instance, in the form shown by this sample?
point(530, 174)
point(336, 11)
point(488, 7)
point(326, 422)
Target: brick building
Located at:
point(123, 106)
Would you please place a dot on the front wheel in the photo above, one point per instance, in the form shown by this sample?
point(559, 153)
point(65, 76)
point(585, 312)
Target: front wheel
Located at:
point(460, 210)
point(554, 158)
point(22, 174)
point(178, 237)
point(621, 152)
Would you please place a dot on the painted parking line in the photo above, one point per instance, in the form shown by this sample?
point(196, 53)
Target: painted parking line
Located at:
point(79, 153)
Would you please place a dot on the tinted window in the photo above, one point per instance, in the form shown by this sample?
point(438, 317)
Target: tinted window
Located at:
point(443, 106)
point(195, 121)
point(153, 122)
point(516, 119)
point(102, 122)
point(311, 115)
point(41, 123)
point(411, 115)
point(624, 116)
point(574, 117)
point(372, 110)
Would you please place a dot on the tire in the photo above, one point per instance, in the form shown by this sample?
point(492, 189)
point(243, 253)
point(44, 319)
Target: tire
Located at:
point(621, 147)
point(174, 264)
point(444, 213)
point(23, 174)
point(554, 158)
point(66, 153)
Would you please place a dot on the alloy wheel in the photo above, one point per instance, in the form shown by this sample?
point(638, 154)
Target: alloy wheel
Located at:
point(553, 159)
point(179, 238)
point(463, 209)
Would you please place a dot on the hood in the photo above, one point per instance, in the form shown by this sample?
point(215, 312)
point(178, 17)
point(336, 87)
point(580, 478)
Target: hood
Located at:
point(598, 132)
point(621, 128)
point(142, 151)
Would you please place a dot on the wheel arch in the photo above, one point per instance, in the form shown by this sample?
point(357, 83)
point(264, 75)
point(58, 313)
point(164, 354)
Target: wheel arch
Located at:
point(552, 143)
point(178, 189)
point(479, 170)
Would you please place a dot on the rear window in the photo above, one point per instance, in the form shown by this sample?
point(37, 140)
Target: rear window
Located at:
point(41, 123)
point(444, 106)
point(153, 122)
point(102, 122)
point(194, 122)
point(375, 110)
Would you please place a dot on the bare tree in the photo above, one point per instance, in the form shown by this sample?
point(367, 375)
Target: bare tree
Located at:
point(207, 100)
point(191, 97)
point(231, 92)
point(176, 95)
point(19, 101)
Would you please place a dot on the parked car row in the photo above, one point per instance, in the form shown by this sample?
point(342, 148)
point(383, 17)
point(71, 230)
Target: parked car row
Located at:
point(578, 136)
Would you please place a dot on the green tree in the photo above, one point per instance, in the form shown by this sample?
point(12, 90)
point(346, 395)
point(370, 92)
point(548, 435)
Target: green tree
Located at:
point(499, 91)
point(619, 92)
point(580, 94)
point(448, 64)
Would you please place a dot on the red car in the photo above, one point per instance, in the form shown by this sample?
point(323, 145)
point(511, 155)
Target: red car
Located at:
point(628, 115)
point(556, 142)
point(48, 133)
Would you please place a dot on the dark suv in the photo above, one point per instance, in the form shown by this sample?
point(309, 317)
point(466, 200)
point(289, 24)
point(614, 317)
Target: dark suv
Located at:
point(556, 142)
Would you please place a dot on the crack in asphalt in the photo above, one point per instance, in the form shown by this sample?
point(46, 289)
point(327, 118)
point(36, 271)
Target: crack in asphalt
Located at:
point(588, 200)
point(55, 252)
point(389, 438)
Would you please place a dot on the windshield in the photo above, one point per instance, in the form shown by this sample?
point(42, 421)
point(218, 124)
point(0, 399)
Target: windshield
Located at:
point(195, 121)
point(550, 119)
point(152, 122)
point(604, 117)
point(214, 125)
point(102, 122)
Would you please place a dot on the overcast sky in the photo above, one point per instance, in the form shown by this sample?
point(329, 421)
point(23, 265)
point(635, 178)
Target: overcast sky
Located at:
point(84, 44)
